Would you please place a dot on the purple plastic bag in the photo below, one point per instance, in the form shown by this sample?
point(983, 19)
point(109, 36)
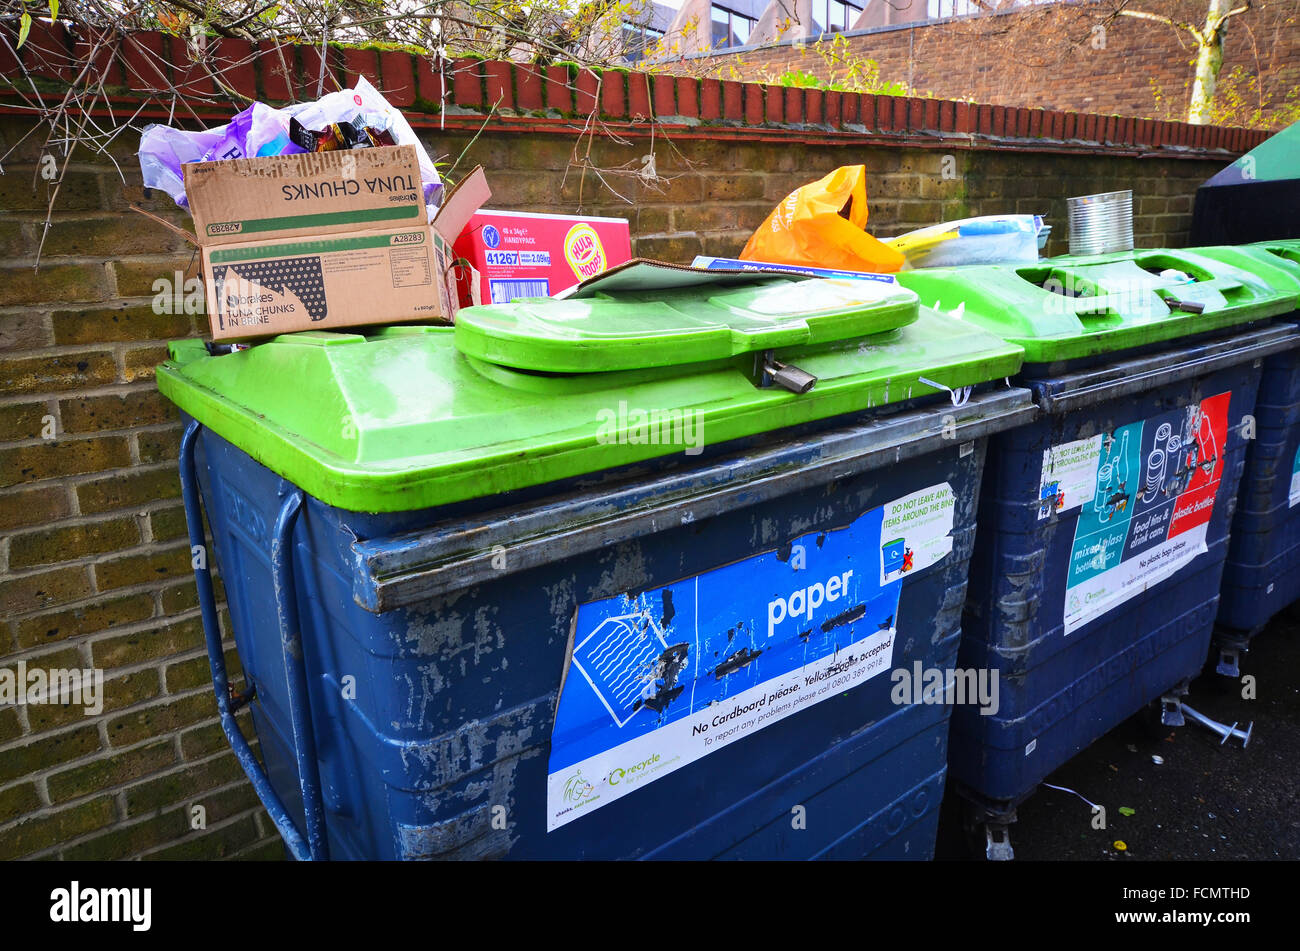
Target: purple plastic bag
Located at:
point(262, 130)
point(246, 134)
point(164, 150)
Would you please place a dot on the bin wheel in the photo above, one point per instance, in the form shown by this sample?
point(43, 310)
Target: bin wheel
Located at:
point(1161, 716)
point(997, 843)
point(988, 837)
point(1226, 652)
point(1153, 728)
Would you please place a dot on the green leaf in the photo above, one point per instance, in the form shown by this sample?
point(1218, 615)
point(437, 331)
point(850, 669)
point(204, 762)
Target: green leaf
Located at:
point(1127, 811)
point(799, 79)
point(24, 27)
point(54, 9)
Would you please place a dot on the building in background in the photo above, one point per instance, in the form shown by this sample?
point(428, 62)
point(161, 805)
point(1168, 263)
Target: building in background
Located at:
point(702, 25)
point(636, 30)
point(644, 26)
point(711, 25)
point(1061, 54)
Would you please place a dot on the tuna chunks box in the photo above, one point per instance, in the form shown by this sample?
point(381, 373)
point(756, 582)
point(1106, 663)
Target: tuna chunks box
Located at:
point(324, 240)
point(517, 254)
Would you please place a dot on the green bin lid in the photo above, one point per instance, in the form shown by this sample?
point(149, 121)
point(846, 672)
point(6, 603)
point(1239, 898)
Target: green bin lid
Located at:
point(399, 419)
point(636, 329)
point(1275, 262)
point(1287, 250)
point(1077, 306)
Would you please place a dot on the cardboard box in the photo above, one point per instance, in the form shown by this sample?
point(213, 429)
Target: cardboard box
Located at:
point(517, 254)
point(326, 244)
point(279, 286)
point(305, 195)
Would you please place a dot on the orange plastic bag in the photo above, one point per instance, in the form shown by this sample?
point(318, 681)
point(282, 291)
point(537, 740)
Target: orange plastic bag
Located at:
point(808, 229)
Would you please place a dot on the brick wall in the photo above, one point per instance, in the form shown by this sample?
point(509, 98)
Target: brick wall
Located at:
point(1049, 55)
point(94, 569)
point(94, 565)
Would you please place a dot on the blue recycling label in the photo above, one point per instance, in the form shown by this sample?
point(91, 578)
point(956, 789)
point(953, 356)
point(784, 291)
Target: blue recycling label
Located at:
point(1148, 490)
point(658, 679)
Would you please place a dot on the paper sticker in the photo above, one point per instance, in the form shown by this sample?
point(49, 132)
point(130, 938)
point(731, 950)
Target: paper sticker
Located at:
point(1155, 488)
point(916, 531)
point(1294, 495)
point(1069, 477)
point(657, 680)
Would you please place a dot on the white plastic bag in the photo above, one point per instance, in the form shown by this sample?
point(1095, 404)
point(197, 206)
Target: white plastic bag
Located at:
point(364, 98)
point(988, 239)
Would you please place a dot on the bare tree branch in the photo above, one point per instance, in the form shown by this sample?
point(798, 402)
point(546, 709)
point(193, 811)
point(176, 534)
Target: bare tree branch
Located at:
point(585, 32)
point(1245, 7)
point(1167, 21)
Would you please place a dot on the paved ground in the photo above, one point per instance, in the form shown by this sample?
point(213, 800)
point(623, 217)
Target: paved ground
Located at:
point(1205, 801)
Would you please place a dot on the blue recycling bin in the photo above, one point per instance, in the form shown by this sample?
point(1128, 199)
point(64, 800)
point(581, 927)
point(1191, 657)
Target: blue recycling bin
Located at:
point(1262, 574)
point(484, 610)
point(1103, 527)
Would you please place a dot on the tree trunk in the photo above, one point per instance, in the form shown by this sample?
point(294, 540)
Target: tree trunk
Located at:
point(1209, 60)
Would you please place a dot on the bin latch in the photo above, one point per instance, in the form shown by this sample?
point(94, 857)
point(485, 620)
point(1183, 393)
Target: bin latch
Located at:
point(1190, 306)
point(784, 375)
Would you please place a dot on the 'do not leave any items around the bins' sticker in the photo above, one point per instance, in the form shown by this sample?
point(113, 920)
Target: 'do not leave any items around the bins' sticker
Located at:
point(656, 680)
point(1145, 493)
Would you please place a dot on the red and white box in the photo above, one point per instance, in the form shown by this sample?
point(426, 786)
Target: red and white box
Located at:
point(518, 254)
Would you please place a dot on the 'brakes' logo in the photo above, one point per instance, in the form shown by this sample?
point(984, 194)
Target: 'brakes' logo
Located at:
point(583, 251)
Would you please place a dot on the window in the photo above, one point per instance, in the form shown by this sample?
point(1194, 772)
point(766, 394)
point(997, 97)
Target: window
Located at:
point(835, 16)
point(729, 28)
point(637, 39)
point(939, 9)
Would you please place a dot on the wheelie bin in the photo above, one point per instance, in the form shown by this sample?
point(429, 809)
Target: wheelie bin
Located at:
point(615, 576)
point(1103, 526)
point(1262, 573)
